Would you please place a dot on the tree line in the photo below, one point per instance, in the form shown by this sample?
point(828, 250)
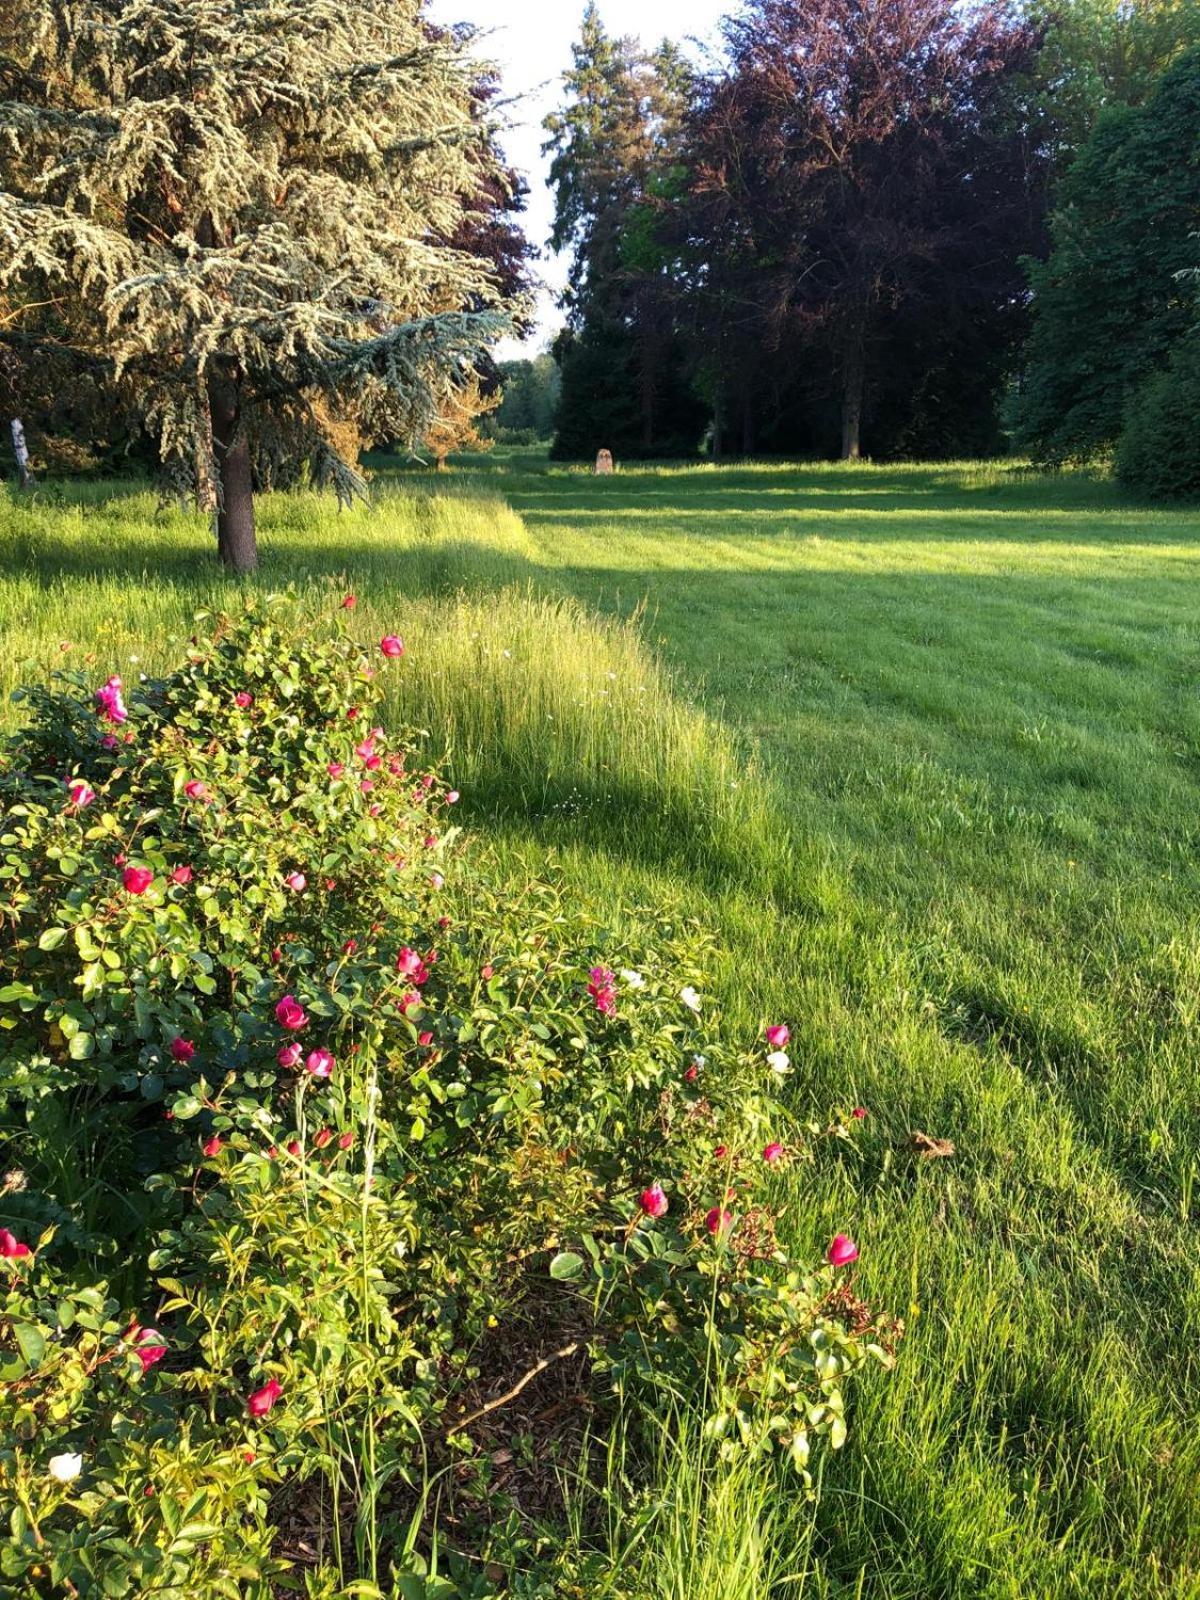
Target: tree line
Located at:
point(892, 227)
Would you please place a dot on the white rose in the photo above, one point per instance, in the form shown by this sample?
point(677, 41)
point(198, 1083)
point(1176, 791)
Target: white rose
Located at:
point(778, 1062)
point(632, 980)
point(690, 998)
point(65, 1468)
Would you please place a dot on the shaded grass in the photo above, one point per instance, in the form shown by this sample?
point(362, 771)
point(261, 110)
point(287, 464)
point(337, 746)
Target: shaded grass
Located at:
point(922, 745)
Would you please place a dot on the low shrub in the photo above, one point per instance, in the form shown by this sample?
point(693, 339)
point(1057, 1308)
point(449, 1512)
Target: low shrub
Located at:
point(322, 1146)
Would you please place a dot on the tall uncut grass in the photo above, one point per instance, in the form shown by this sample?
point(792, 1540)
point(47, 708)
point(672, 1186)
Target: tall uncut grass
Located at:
point(922, 745)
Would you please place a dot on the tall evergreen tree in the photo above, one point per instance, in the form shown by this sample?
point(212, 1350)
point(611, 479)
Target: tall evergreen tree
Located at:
point(615, 170)
point(600, 147)
point(247, 203)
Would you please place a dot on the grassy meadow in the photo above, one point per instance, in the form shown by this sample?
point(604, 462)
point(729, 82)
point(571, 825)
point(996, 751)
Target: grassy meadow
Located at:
point(922, 746)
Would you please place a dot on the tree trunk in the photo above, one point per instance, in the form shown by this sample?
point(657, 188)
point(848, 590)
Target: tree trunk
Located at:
point(24, 475)
point(749, 427)
point(646, 383)
point(236, 544)
point(853, 383)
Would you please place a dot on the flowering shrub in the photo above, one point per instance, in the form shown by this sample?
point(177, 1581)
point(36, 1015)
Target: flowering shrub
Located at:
point(361, 1113)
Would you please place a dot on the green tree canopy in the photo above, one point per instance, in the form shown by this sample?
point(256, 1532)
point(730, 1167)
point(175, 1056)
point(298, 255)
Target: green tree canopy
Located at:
point(248, 203)
point(530, 398)
point(1101, 53)
point(1114, 298)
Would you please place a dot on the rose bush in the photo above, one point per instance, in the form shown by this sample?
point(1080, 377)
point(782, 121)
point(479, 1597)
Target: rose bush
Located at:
point(305, 1115)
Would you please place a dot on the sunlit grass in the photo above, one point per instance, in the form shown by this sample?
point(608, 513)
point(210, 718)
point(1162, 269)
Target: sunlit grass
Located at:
point(922, 745)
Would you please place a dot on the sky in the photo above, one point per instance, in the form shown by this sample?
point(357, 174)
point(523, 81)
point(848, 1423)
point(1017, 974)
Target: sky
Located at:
point(531, 40)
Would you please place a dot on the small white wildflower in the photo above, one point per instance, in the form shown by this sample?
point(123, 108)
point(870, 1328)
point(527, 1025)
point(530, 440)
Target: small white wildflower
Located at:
point(778, 1062)
point(508, 655)
point(65, 1468)
point(632, 980)
point(690, 999)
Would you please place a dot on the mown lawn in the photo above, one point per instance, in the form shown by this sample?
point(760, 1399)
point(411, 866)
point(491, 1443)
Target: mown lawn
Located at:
point(922, 745)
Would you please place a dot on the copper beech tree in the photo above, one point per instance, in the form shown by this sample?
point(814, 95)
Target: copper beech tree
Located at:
point(248, 208)
point(858, 164)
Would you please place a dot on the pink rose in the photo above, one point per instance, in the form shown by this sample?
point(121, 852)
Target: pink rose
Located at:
point(112, 706)
point(602, 986)
point(195, 790)
point(408, 962)
point(288, 1055)
point(653, 1201)
point(345, 1140)
point(137, 879)
point(182, 875)
point(213, 1146)
point(718, 1221)
point(778, 1036)
point(773, 1153)
point(842, 1251)
point(149, 1349)
point(322, 1137)
point(290, 1014)
point(259, 1404)
point(859, 1113)
point(335, 769)
point(81, 794)
point(319, 1064)
point(392, 646)
point(182, 1049)
point(297, 882)
point(349, 602)
point(243, 700)
point(11, 1248)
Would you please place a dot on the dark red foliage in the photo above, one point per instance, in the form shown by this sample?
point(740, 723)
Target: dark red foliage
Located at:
point(863, 187)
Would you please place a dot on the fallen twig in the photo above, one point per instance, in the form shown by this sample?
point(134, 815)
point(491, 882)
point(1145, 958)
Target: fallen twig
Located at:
point(567, 1351)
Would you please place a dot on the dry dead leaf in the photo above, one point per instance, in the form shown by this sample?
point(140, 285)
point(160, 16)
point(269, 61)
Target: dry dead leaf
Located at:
point(929, 1148)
